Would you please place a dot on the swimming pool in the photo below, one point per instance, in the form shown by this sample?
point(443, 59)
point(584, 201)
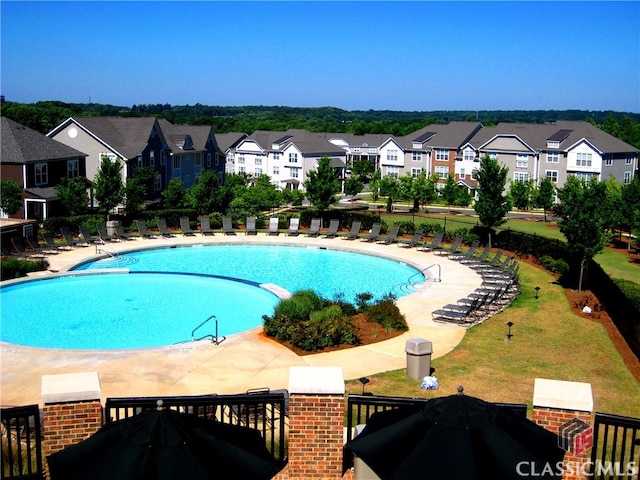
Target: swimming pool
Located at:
point(172, 290)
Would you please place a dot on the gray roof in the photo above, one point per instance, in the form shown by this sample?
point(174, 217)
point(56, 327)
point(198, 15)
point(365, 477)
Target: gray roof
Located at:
point(22, 145)
point(127, 135)
point(175, 135)
point(309, 143)
point(451, 135)
point(229, 140)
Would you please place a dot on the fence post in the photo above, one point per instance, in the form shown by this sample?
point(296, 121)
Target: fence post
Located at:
point(316, 422)
point(72, 411)
point(564, 408)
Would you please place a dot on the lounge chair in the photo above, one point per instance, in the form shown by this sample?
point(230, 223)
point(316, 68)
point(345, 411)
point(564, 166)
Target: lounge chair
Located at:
point(487, 264)
point(391, 237)
point(314, 229)
point(185, 227)
point(20, 248)
point(471, 260)
point(294, 226)
point(227, 226)
point(453, 248)
point(164, 229)
point(51, 244)
point(32, 243)
point(273, 226)
point(205, 225)
point(355, 230)
point(251, 226)
point(120, 233)
point(373, 235)
point(6, 253)
point(104, 235)
point(143, 230)
point(86, 235)
point(454, 313)
point(435, 243)
point(68, 237)
point(333, 228)
point(415, 240)
point(467, 254)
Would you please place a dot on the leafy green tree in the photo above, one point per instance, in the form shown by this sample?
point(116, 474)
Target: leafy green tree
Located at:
point(146, 177)
point(73, 194)
point(322, 185)
point(353, 186)
point(294, 197)
point(108, 187)
point(521, 194)
point(584, 218)
point(464, 197)
point(426, 188)
point(375, 184)
point(262, 195)
point(363, 170)
point(450, 191)
point(631, 207)
point(206, 196)
point(174, 195)
point(10, 197)
point(492, 204)
point(543, 196)
point(134, 196)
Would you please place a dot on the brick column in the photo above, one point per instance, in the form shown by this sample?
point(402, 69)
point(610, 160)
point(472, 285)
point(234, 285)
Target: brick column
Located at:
point(316, 422)
point(72, 410)
point(564, 408)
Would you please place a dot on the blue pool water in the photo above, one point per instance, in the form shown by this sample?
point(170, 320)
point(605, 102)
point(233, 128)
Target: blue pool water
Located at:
point(188, 284)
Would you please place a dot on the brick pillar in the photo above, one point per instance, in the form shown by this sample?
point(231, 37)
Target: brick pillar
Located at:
point(564, 408)
point(72, 410)
point(316, 422)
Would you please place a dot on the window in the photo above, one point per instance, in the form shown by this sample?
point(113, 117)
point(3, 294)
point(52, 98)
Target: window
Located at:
point(442, 172)
point(356, 149)
point(553, 157)
point(442, 155)
point(293, 158)
point(520, 176)
point(522, 160)
point(493, 155)
point(416, 156)
point(242, 169)
point(42, 174)
point(258, 160)
point(372, 150)
point(468, 155)
point(199, 159)
point(176, 162)
point(586, 176)
point(73, 168)
point(157, 182)
point(258, 172)
point(152, 158)
point(295, 172)
point(474, 173)
point(629, 159)
point(276, 170)
point(463, 174)
point(392, 155)
point(163, 157)
point(217, 160)
point(208, 159)
point(241, 158)
point(393, 171)
point(276, 155)
point(553, 143)
point(140, 162)
point(416, 172)
point(552, 175)
point(583, 159)
point(627, 178)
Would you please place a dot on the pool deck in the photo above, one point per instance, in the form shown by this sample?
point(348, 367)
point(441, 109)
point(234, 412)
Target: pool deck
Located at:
point(245, 360)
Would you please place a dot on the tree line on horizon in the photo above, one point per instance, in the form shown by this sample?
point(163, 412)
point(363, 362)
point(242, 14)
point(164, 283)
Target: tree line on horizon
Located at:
point(45, 115)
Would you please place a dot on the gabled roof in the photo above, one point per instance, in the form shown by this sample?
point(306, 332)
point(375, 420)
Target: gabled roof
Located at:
point(451, 135)
point(229, 140)
point(23, 145)
point(181, 138)
point(308, 143)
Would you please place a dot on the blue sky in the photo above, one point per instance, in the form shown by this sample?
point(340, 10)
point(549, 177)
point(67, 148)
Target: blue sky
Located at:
point(419, 55)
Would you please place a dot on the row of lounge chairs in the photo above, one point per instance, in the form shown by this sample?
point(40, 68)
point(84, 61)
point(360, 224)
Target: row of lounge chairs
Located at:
point(498, 289)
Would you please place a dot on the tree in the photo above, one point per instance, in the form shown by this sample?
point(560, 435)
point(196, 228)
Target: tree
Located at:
point(543, 196)
point(375, 184)
point(426, 188)
point(10, 197)
point(73, 194)
point(108, 188)
point(322, 185)
point(135, 195)
point(521, 192)
point(584, 218)
point(464, 197)
point(492, 204)
point(173, 196)
point(362, 169)
point(353, 186)
point(631, 207)
point(450, 191)
point(205, 196)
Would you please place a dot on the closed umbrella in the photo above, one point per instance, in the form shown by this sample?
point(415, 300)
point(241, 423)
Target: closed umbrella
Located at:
point(456, 437)
point(164, 444)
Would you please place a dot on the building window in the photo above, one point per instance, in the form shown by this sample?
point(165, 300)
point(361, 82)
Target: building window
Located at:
point(585, 176)
point(552, 175)
point(293, 158)
point(157, 182)
point(553, 157)
point(242, 169)
point(152, 158)
point(42, 174)
point(416, 172)
point(73, 168)
point(520, 176)
point(176, 162)
point(583, 159)
point(392, 155)
point(199, 159)
point(258, 172)
point(372, 150)
point(468, 155)
point(258, 160)
point(553, 144)
point(442, 155)
point(294, 172)
point(416, 156)
point(217, 159)
point(356, 149)
point(276, 170)
point(522, 160)
point(163, 157)
point(393, 171)
point(629, 159)
point(627, 178)
point(474, 173)
point(140, 162)
point(276, 155)
point(463, 174)
point(208, 159)
point(442, 172)
point(493, 155)
point(241, 158)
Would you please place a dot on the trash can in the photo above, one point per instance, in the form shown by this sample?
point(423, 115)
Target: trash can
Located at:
point(418, 352)
point(111, 227)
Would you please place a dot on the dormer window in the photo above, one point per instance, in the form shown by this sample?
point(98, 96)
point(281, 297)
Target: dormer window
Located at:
point(188, 143)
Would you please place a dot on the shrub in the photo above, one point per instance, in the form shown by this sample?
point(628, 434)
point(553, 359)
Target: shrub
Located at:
point(431, 229)
point(16, 268)
point(558, 266)
point(387, 314)
point(406, 227)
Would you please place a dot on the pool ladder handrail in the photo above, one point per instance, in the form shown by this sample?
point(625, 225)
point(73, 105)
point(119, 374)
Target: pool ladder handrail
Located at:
point(435, 279)
point(108, 251)
point(214, 338)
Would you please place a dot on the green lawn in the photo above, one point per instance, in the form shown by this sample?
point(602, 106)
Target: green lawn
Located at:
point(549, 341)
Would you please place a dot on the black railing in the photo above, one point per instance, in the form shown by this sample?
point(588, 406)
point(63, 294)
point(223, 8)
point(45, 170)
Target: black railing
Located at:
point(616, 447)
point(262, 410)
point(21, 443)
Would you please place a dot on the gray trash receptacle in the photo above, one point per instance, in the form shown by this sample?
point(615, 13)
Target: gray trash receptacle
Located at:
point(418, 352)
point(111, 227)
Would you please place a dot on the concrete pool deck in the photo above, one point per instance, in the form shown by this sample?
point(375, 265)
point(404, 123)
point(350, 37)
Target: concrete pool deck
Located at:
point(245, 360)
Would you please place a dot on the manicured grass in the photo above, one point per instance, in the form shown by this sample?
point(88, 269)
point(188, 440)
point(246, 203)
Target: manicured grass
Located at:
point(617, 265)
point(549, 341)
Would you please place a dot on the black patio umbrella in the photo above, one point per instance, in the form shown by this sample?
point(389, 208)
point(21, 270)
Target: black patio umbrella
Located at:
point(457, 437)
point(164, 444)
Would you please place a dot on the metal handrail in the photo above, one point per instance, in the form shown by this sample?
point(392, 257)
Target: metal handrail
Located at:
point(437, 279)
point(214, 338)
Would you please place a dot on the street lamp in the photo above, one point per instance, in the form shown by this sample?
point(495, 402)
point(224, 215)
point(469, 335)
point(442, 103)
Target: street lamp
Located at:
point(537, 290)
point(509, 334)
point(364, 381)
